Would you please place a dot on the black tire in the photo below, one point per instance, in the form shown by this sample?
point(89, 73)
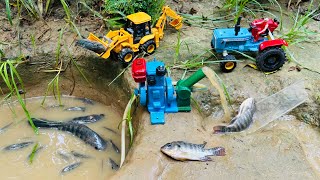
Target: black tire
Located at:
point(125, 56)
point(149, 47)
point(228, 66)
point(91, 45)
point(271, 59)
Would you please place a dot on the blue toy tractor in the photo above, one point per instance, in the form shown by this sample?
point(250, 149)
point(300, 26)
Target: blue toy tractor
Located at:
point(258, 38)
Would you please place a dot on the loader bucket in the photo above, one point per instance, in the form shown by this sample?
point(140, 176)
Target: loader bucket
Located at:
point(177, 23)
point(92, 37)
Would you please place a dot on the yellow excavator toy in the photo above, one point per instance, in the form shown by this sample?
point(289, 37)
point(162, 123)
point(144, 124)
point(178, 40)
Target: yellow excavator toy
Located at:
point(137, 35)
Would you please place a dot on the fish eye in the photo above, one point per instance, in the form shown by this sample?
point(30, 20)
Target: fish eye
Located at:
point(169, 145)
point(178, 145)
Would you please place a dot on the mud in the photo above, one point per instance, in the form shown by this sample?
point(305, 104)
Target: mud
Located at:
point(284, 149)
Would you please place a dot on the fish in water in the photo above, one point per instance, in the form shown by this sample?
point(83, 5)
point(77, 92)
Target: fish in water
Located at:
point(242, 121)
point(86, 101)
point(184, 151)
point(64, 155)
point(113, 164)
point(79, 155)
point(83, 132)
point(18, 146)
point(70, 167)
point(115, 148)
point(87, 119)
point(5, 128)
point(76, 109)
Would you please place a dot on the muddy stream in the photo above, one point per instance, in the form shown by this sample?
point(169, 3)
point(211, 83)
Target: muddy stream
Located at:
point(57, 147)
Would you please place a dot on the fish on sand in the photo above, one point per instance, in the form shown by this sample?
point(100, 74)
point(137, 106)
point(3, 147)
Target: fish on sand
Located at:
point(242, 121)
point(183, 151)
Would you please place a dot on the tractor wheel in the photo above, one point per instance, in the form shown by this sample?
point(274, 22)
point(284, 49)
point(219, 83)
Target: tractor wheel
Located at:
point(228, 66)
point(125, 56)
point(149, 47)
point(271, 59)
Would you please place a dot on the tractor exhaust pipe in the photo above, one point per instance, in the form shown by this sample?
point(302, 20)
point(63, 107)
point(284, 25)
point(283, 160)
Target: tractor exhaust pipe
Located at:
point(237, 26)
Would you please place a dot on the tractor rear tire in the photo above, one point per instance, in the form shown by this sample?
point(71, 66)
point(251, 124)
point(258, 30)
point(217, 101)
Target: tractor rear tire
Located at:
point(126, 56)
point(228, 66)
point(149, 47)
point(271, 59)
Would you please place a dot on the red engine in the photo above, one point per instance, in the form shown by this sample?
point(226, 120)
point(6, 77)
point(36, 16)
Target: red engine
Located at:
point(261, 27)
point(139, 71)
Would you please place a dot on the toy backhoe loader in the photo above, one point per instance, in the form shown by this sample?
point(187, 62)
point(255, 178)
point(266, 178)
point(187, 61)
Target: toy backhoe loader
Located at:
point(136, 36)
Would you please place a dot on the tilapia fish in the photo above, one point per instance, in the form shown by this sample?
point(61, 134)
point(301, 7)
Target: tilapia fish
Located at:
point(242, 121)
point(87, 119)
point(83, 132)
point(18, 146)
point(184, 151)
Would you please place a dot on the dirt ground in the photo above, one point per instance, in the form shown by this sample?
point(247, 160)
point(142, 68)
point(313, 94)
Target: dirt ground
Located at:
point(284, 149)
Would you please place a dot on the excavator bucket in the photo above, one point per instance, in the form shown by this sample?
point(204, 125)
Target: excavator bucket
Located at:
point(93, 43)
point(176, 23)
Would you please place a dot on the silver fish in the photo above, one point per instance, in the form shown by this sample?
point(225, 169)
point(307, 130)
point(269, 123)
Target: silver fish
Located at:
point(70, 167)
point(87, 119)
point(76, 109)
point(86, 101)
point(18, 146)
point(113, 164)
point(4, 128)
point(184, 151)
point(242, 121)
point(64, 155)
point(79, 155)
point(115, 148)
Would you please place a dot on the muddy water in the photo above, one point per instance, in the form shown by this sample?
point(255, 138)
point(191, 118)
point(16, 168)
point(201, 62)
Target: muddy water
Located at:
point(48, 162)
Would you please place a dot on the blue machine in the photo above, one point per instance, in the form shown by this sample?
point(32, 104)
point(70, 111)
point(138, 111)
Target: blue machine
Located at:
point(225, 40)
point(158, 93)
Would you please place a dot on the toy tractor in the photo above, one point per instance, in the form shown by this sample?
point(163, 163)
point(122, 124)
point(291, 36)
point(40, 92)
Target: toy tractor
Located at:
point(258, 38)
point(137, 36)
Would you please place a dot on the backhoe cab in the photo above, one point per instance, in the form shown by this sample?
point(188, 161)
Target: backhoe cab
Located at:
point(136, 36)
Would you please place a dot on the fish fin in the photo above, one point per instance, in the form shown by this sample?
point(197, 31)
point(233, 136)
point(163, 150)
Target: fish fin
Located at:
point(204, 144)
point(219, 129)
point(233, 119)
point(205, 158)
point(218, 151)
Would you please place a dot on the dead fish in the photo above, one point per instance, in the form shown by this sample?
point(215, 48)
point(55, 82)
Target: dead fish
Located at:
point(86, 101)
point(4, 128)
point(87, 119)
point(184, 151)
point(111, 130)
point(79, 155)
point(76, 109)
point(113, 164)
point(70, 167)
point(115, 148)
point(242, 121)
point(83, 132)
point(18, 146)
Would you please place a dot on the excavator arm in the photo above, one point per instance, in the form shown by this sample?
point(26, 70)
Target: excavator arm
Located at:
point(168, 12)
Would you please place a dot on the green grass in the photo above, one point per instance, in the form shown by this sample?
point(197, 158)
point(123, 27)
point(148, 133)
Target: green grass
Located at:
point(11, 78)
point(34, 150)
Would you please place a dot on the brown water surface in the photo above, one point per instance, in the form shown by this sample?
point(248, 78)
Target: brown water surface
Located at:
point(48, 162)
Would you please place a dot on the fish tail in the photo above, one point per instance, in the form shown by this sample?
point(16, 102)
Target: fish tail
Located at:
point(220, 129)
point(218, 151)
point(44, 123)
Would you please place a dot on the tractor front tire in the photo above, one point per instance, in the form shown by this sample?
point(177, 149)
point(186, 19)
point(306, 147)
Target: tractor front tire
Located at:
point(149, 47)
point(271, 59)
point(228, 66)
point(126, 56)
